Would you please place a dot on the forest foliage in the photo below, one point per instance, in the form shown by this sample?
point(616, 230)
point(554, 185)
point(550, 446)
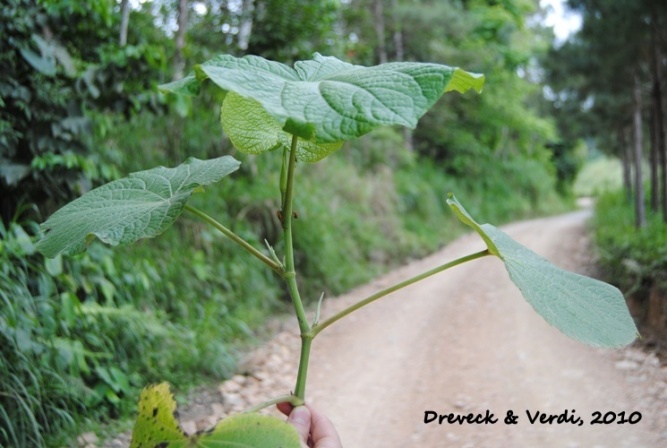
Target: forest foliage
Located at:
point(79, 107)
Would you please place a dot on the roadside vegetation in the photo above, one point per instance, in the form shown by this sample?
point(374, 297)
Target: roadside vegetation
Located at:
point(635, 260)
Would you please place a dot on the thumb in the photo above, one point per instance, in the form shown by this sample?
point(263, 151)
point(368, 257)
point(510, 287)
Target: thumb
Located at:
point(300, 419)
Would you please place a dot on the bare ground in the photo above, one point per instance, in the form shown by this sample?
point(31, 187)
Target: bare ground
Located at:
point(463, 341)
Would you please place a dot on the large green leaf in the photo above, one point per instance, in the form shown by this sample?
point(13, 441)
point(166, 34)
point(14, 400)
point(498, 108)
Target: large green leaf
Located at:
point(325, 100)
point(156, 426)
point(142, 205)
point(583, 308)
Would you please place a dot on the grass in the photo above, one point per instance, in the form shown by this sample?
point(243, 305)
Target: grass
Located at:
point(599, 175)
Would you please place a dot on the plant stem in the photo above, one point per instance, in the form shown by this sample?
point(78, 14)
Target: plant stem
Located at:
point(294, 400)
point(283, 177)
point(324, 324)
point(290, 275)
point(300, 388)
point(237, 239)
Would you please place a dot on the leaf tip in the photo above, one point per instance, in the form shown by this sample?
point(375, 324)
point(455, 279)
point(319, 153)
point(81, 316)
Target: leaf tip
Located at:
point(188, 86)
point(462, 81)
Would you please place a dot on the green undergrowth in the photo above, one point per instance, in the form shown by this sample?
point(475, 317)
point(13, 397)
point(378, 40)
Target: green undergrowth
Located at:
point(635, 260)
point(599, 175)
point(81, 335)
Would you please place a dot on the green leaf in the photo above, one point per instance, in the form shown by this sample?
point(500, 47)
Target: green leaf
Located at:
point(252, 130)
point(156, 425)
point(583, 308)
point(54, 266)
point(466, 219)
point(325, 100)
point(44, 64)
point(251, 431)
point(142, 205)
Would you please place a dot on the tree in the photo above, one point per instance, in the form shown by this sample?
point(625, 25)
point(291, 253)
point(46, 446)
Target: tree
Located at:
point(179, 61)
point(499, 125)
point(616, 73)
point(378, 20)
point(59, 60)
point(288, 30)
point(124, 21)
point(638, 144)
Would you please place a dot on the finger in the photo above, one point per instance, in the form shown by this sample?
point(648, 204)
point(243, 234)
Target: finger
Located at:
point(285, 408)
point(323, 431)
point(300, 418)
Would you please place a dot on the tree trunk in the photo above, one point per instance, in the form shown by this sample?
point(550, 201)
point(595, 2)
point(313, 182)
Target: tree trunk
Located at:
point(659, 120)
point(657, 124)
point(653, 160)
point(179, 61)
point(626, 161)
point(245, 30)
point(640, 212)
point(662, 150)
point(400, 55)
point(124, 21)
point(378, 16)
point(398, 32)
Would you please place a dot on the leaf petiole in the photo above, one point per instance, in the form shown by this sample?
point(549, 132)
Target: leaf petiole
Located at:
point(277, 267)
point(292, 399)
point(378, 295)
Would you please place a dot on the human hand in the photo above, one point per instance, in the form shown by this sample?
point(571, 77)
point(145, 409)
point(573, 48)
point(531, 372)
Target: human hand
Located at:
point(314, 428)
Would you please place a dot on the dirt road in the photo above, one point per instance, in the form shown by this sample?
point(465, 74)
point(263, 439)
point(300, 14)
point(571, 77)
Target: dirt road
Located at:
point(463, 341)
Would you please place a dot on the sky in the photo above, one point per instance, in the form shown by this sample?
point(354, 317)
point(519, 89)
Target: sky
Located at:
point(563, 21)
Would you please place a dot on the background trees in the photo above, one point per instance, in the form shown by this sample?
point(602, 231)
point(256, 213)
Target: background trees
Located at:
point(608, 86)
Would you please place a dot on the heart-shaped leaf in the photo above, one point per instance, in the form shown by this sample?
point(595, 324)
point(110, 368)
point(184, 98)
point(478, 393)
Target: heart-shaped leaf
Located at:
point(583, 308)
point(142, 205)
point(157, 426)
point(325, 100)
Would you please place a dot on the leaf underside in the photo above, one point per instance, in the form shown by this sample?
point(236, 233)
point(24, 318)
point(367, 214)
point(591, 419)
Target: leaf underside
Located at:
point(142, 205)
point(583, 308)
point(157, 426)
point(324, 100)
point(252, 130)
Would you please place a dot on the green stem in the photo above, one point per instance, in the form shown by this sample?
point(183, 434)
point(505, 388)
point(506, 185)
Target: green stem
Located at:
point(290, 275)
point(283, 177)
point(237, 239)
point(300, 388)
point(324, 324)
point(294, 400)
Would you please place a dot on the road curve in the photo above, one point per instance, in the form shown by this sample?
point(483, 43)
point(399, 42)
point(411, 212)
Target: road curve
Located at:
point(465, 342)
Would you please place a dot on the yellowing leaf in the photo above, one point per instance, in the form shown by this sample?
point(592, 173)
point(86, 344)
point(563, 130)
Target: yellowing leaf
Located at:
point(156, 422)
point(157, 427)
